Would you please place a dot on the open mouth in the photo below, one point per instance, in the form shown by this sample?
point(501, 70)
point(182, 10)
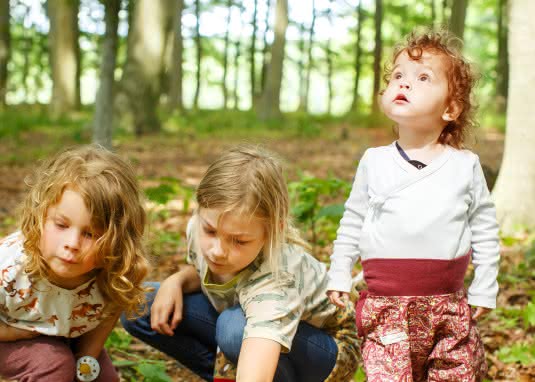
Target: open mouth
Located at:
point(401, 97)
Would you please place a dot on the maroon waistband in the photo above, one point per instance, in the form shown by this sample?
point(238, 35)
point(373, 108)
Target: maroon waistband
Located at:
point(415, 277)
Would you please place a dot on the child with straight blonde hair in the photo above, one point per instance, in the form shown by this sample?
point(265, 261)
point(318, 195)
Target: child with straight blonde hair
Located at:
point(250, 291)
point(77, 262)
point(418, 213)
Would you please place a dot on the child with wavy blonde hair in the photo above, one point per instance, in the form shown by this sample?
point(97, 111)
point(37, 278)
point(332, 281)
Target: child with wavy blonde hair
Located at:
point(418, 213)
point(77, 262)
point(250, 291)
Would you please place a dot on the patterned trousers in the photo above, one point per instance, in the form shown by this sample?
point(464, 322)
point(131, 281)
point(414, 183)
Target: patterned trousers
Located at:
point(419, 338)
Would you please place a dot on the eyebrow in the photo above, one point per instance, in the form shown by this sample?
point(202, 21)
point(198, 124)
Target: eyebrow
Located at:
point(425, 66)
point(205, 222)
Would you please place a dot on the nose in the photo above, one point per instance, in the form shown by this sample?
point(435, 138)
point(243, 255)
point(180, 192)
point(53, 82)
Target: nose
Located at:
point(72, 240)
point(217, 250)
point(405, 85)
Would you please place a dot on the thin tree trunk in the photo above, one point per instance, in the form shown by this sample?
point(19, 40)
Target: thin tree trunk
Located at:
point(458, 17)
point(377, 55)
point(176, 96)
point(103, 124)
point(270, 102)
point(329, 58)
point(64, 55)
point(358, 58)
point(265, 51)
point(5, 42)
point(433, 13)
point(301, 68)
point(252, 54)
point(237, 49)
point(142, 73)
point(198, 46)
point(515, 185)
point(310, 59)
point(225, 56)
point(502, 69)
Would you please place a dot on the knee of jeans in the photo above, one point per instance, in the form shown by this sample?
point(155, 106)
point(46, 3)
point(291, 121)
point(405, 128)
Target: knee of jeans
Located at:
point(229, 332)
point(130, 325)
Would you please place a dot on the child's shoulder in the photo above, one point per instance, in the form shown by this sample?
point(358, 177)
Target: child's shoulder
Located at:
point(11, 248)
point(464, 155)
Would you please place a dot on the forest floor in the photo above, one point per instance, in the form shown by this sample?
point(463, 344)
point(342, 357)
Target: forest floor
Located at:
point(334, 152)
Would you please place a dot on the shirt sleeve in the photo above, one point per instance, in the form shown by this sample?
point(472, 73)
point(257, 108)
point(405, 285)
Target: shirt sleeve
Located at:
point(485, 243)
point(273, 308)
point(346, 246)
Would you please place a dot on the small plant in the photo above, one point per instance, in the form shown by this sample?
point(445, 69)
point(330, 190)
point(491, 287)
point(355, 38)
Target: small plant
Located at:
point(314, 206)
point(168, 189)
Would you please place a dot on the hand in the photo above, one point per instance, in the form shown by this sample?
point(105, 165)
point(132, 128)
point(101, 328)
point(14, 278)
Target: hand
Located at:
point(338, 298)
point(479, 311)
point(166, 310)
point(10, 333)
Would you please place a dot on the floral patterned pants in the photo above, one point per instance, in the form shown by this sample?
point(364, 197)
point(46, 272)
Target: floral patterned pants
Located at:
point(419, 338)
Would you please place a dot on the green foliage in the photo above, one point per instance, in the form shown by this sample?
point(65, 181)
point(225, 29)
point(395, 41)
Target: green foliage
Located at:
point(360, 375)
point(170, 188)
point(312, 200)
point(118, 339)
point(153, 371)
point(519, 352)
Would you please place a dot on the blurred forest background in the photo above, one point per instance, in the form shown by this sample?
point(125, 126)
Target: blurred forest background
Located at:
point(169, 84)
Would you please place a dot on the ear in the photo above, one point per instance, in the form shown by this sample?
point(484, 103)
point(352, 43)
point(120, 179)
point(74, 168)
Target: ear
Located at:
point(452, 112)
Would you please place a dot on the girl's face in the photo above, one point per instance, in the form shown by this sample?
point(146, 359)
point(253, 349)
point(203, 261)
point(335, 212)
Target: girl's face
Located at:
point(229, 242)
point(67, 240)
point(417, 92)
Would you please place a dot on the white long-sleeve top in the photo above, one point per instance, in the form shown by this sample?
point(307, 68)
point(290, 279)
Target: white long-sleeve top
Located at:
point(397, 211)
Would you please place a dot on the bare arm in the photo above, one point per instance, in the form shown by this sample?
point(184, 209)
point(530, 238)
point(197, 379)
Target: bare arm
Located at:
point(10, 333)
point(255, 352)
point(166, 311)
point(92, 342)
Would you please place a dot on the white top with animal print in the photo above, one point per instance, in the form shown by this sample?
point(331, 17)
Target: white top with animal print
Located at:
point(37, 304)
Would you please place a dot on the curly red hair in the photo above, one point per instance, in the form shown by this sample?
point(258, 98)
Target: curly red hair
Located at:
point(461, 79)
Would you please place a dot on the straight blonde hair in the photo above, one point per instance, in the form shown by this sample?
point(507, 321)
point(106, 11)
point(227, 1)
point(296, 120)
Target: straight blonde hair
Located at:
point(248, 180)
point(112, 195)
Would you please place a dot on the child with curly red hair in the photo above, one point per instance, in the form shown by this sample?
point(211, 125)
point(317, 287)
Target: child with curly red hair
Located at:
point(418, 212)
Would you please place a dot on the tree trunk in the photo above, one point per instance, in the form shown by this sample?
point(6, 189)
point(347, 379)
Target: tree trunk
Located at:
point(301, 68)
point(225, 55)
point(5, 42)
point(103, 124)
point(237, 50)
point(269, 103)
point(145, 62)
point(328, 52)
point(458, 17)
point(358, 58)
point(64, 56)
point(502, 69)
point(252, 54)
point(265, 51)
point(515, 187)
point(198, 47)
point(310, 59)
point(377, 55)
point(176, 97)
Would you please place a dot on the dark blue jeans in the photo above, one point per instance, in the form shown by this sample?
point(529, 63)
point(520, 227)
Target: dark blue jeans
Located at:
point(202, 329)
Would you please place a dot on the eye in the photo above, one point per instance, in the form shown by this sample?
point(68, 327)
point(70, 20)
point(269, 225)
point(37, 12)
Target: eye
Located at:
point(424, 77)
point(397, 75)
point(60, 225)
point(208, 231)
point(87, 234)
point(240, 242)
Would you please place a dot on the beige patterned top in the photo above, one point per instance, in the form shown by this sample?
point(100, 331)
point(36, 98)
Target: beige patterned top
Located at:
point(273, 307)
point(40, 306)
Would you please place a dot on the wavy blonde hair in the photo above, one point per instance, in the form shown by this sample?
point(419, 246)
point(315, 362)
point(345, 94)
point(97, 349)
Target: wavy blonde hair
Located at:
point(112, 195)
point(248, 180)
